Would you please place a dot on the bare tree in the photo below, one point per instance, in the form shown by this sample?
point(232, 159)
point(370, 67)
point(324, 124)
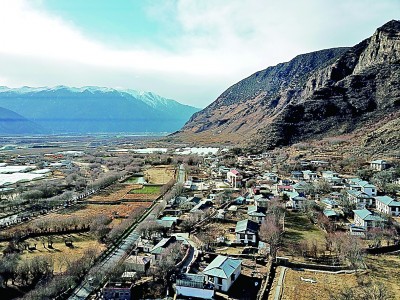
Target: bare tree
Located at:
point(271, 233)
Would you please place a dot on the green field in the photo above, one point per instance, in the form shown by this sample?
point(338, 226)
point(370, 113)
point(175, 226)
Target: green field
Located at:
point(134, 179)
point(147, 189)
point(298, 227)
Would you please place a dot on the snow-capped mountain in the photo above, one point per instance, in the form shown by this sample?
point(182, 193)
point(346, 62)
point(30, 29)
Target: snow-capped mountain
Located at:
point(91, 109)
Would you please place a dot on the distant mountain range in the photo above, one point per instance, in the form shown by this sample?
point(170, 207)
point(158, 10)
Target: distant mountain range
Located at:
point(315, 95)
point(64, 109)
point(13, 123)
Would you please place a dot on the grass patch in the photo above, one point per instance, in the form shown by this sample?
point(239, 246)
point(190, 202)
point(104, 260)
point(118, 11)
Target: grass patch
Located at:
point(298, 227)
point(147, 189)
point(385, 268)
point(134, 180)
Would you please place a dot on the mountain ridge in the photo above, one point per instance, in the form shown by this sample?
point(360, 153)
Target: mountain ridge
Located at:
point(91, 109)
point(332, 91)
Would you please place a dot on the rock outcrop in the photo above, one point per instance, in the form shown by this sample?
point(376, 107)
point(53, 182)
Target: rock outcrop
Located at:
point(318, 94)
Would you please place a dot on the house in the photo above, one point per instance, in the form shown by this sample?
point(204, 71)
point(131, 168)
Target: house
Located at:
point(319, 162)
point(368, 188)
point(329, 174)
point(203, 204)
point(271, 177)
point(234, 178)
point(300, 187)
point(296, 201)
point(240, 200)
point(297, 175)
point(309, 175)
point(361, 199)
point(379, 165)
point(158, 249)
point(246, 232)
point(138, 263)
point(388, 205)
point(283, 188)
point(223, 272)
point(261, 201)
point(364, 186)
point(194, 286)
point(331, 177)
point(117, 291)
point(365, 218)
point(256, 213)
point(331, 214)
point(329, 203)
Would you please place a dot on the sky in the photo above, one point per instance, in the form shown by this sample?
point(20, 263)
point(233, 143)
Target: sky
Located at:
point(186, 50)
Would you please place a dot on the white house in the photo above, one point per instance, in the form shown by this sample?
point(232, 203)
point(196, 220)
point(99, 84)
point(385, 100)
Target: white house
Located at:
point(256, 213)
point(379, 165)
point(194, 285)
point(365, 218)
point(361, 199)
point(357, 184)
point(246, 232)
point(223, 272)
point(271, 177)
point(234, 178)
point(309, 175)
point(388, 205)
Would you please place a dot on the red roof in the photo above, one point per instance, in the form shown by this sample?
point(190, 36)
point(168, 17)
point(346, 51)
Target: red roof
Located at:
point(235, 172)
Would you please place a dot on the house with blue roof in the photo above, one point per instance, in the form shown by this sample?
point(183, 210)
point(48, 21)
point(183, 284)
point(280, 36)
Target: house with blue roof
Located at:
point(360, 199)
point(367, 219)
point(330, 214)
point(296, 175)
point(388, 205)
point(309, 175)
point(194, 286)
point(223, 271)
point(329, 203)
point(379, 165)
point(246, 232)
point(357, 184)
point(256, 213)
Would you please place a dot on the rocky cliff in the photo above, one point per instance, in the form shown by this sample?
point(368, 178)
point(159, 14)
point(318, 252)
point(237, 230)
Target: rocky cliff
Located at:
point(318, 94)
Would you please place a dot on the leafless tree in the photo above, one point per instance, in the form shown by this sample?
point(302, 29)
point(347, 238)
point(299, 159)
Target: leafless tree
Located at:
point(271, 233)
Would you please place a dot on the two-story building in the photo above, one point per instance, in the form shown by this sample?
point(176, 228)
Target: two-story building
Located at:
point(234, 178)
point(360, 199)
point(194, 286)
point(379, 165)
point(309, 175)
point(367, 219)
point(223, 271)
point(246, 232)
point(388, 205)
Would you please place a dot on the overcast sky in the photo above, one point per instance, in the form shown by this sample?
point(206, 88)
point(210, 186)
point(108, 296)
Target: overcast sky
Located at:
point(187, 50)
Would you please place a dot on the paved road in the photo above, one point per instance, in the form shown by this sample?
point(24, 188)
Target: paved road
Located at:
point(85, 288)
point(181, 174)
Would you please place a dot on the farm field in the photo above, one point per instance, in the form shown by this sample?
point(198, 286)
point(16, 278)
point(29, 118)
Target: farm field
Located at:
point(62, 255)
point(385, 268)
point(299, 228)
point(147, 189)
point(135, 180)
point(116, 193)
point(159, 174)
point(86, 212)
point(295, 288)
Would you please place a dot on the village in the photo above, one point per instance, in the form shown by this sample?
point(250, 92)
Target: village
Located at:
point(219, 224)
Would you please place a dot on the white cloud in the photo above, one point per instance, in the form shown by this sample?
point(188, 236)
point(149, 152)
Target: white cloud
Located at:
point(221, 42)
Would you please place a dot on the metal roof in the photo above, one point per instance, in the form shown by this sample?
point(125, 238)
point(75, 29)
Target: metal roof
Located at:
point(222, 267)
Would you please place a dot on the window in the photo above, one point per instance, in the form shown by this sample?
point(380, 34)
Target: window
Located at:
point(233, 277)
point(242, 236)
point(219, 281)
